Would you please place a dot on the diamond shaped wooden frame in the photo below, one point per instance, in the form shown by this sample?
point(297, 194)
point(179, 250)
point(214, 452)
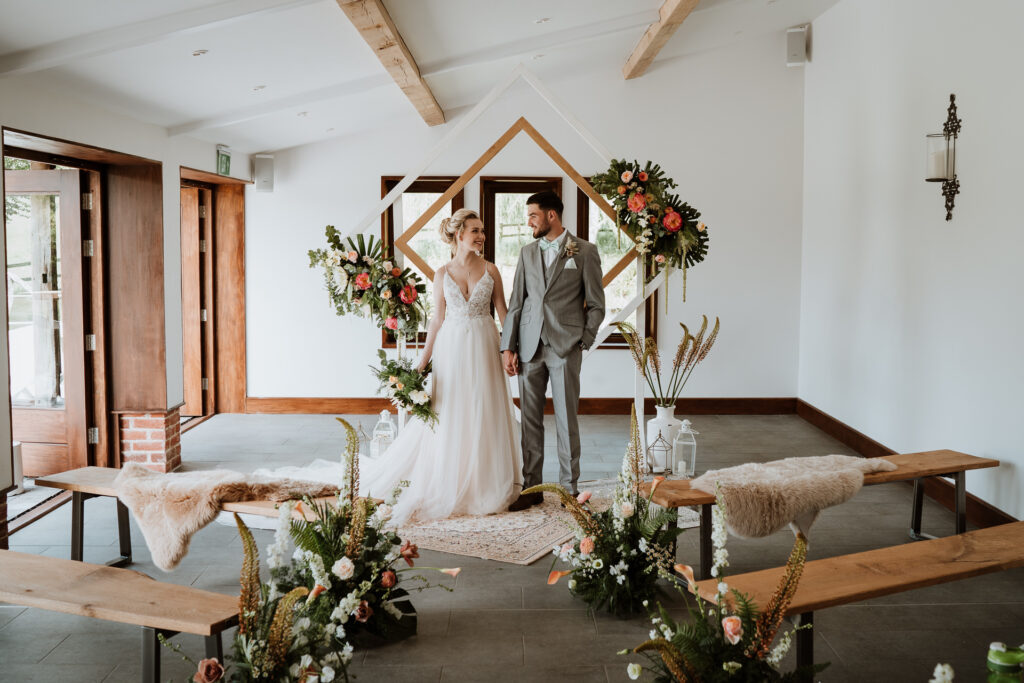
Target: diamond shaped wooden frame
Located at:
point(520, 126)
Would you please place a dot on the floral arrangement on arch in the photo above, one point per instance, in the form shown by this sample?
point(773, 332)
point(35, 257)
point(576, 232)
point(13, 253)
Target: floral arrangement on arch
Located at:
point(731, 639)
point(618, 554)
point(405, 386)
point(664, 227)
point(362, 278)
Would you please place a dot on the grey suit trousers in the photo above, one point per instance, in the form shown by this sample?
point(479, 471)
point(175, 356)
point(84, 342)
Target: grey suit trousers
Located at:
point(564, 374)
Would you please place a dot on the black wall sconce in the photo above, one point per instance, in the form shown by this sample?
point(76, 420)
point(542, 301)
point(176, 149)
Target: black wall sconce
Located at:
point(941, 166)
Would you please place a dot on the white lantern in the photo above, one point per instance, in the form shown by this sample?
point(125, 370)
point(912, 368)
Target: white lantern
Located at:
point(684, 451)
point(383, 435)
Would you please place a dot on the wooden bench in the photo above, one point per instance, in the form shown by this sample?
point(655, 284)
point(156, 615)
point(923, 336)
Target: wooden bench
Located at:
point(676, 493)
point(851, 578)
point(121, 595)
point(91, 482)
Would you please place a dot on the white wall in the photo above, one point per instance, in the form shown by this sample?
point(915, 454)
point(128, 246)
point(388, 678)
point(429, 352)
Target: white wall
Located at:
point(6, 451)
point(910, 326)
point(30, 106)
point(726, 124)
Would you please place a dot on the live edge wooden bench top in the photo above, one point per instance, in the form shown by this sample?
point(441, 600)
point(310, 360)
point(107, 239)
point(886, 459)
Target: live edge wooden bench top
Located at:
point(676, 493)
point(99, 481)
point(112, 594)
point(861, 576)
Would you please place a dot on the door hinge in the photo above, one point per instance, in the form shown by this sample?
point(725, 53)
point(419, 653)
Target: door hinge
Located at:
point(202, 212)
point(206, 384)
point(90, 342)
point(87, 201)
point(86, 247)
point(92, 435)
point(202, 246)
point(202, 315)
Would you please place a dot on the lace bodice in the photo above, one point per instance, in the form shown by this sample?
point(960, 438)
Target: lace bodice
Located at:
point(477, 306)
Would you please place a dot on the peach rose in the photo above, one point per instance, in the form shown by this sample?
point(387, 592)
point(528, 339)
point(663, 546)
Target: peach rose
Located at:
point(210, 671)
point(642, 175)
point(386, 294)
point(626, 176)
point(637, 202)
point(352, 256)
point(391, 323)
point(621, 189)
point(672, 221)
point(733, 629)
point(363, 281)
point(409, 551)
point(363, 612)
point(388, 578)
point(660, 258)
point(586, 545)
point(701, 227)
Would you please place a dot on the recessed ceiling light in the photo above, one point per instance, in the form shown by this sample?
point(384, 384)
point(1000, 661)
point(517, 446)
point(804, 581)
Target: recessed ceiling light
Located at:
point(540, 56)
point(199, 53)
point(330, 130)
point(303, 113)
point(257, 88)
point(542, 20)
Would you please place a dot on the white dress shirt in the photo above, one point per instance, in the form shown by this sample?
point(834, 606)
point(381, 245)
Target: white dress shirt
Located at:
point(551, 254)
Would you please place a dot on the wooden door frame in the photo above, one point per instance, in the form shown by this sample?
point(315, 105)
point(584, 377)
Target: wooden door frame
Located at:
point(204, 251)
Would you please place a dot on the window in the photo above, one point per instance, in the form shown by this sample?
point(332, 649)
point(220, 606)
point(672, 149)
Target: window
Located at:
point(416, 199)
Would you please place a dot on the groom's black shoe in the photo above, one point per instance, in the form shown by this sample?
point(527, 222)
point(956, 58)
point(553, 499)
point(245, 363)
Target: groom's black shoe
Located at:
point(525, 501)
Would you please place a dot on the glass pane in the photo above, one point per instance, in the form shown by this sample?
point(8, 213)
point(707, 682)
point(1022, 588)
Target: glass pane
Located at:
point(427, 242)
point(511, 234)
point(35, 329)
point(613, 244)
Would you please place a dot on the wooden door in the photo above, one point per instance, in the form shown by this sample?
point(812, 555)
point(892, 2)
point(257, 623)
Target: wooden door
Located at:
point(46, 318)
point(197, 300)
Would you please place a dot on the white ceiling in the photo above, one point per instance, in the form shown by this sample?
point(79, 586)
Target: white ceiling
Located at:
point(321, 79)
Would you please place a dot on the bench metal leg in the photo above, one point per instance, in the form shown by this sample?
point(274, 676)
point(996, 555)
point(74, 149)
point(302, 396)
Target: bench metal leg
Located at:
point(960, 480)
point(124, 537)
point(214, 647)
point(77, 523)
point(805, 640)
point(705, 541)
point(672, 526)
point(960, 498)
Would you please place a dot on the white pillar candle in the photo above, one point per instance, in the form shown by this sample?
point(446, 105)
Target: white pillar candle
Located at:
point(937, 164)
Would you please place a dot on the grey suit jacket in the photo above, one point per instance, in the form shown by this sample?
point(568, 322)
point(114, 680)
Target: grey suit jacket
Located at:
point(569, 308)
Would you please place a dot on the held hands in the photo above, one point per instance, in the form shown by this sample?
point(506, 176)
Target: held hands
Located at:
point(510, 359)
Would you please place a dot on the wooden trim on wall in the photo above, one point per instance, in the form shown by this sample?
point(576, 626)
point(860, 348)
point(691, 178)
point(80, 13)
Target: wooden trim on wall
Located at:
point(196, 175)
point(74, 151)
point(979, 512)
point(229, 284)
point(94, 228)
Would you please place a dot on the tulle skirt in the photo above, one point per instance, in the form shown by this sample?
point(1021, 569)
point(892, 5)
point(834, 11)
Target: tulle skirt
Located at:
point(470, 462)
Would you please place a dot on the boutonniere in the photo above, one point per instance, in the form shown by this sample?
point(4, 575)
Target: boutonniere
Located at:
point(571, 248)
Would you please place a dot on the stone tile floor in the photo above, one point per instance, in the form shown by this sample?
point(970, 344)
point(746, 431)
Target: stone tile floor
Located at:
point(502, 622)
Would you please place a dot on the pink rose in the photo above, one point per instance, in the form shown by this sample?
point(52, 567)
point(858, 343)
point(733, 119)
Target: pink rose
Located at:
point(583, 497)
point(363, 612)
point(391, 323)
point(408, 294)
point(409, 551)
point(626, 176)
point(672, 221)
point(642, 175)
point(637, 202)
point(209, 671)
point(388, 578)
point(586, 545)
point(363, 281)
point(660, 258)
point(733, 629)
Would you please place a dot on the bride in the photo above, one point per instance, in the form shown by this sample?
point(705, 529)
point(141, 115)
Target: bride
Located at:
point(471, 462)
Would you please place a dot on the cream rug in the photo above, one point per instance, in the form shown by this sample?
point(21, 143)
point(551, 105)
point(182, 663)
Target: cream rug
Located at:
point(515, 537)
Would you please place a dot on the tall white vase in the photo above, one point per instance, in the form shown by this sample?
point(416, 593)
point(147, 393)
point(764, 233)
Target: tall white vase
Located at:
point(665, 424)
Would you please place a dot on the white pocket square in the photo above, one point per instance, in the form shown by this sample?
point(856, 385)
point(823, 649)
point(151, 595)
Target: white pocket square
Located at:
point(570, 264)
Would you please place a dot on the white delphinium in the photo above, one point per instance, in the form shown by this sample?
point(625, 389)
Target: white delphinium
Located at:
point(666, 631)
point(346, 653)
point(642, 545)
point(276, 550)
point(719, 535)
point(780, 649)
point(316, 567)
point(723, 588)
point(383, 512)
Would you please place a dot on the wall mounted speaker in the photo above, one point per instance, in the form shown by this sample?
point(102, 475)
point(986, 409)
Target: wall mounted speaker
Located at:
point(796, 46)
point(263, 172)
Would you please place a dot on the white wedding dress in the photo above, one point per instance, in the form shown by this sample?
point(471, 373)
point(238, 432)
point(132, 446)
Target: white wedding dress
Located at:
point(471, 462)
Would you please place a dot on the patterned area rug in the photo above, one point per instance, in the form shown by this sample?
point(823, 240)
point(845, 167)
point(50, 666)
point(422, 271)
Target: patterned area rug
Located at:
point(515, 537)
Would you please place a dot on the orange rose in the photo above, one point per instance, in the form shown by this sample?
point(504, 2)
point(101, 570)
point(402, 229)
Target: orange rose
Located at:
point(642, 175)
point(621, 189)
point(388, 579)
point(395, 272)
point(672, 221)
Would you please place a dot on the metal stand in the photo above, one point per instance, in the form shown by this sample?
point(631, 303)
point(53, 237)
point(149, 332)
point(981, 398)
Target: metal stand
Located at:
point(960, 484)
point(705, 542)
point(151, 651)
point(124, 532)
point(805, 639)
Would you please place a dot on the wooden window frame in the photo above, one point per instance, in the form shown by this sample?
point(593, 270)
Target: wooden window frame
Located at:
point(614, 340)
point(387, 228)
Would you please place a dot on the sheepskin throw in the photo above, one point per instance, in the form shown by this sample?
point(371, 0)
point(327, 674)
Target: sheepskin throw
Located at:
point(761, 498)
point(171, 507)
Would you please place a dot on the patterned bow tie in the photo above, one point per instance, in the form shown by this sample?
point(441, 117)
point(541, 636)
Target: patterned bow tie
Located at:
point(548, 245)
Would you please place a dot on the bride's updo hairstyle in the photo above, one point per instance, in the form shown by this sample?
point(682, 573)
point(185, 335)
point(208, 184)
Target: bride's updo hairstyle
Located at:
point(451, 228)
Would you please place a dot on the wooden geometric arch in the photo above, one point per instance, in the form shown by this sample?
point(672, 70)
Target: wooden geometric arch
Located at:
point(520, 126)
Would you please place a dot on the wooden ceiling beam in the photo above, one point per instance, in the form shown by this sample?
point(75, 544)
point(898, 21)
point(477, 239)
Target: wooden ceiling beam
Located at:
point(374, 23)
point(672, 15)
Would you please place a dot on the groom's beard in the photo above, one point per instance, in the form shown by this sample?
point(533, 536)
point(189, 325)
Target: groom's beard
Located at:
point(542, 229)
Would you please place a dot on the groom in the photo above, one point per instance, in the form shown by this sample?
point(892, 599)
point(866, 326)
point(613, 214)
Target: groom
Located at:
point(556, 308)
